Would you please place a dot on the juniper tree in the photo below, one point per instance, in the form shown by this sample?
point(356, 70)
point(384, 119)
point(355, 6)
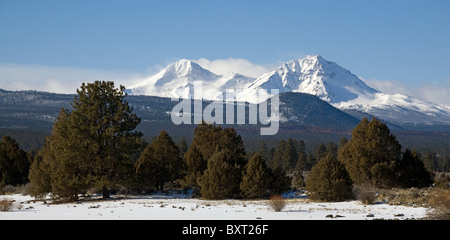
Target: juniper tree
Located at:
point(222, 177)
point(370, 155)
point(195, 166)
point(298, 181)
point(329, 181)
point(280, 182)
point(160, 162)
point(411, 171)
point(207, 140)
point(14, 163)
point(256, 178)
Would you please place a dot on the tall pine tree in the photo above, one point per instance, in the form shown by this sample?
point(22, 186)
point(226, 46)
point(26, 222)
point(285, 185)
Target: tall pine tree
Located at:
point(93, 145)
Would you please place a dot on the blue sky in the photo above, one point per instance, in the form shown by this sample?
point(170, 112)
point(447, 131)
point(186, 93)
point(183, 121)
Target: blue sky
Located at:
point(393, 44)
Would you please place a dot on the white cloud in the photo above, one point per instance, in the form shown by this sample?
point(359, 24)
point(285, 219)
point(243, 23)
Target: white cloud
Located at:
point(16, 77)
point(235, 65)
point(432, 92)
point(58, 79)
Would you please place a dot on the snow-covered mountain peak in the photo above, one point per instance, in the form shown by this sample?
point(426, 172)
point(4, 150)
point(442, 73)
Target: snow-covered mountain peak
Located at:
point(177, 81)
point(190, 69)
point(314, 75)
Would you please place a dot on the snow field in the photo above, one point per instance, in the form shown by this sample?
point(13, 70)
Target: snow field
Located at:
point(161, 207)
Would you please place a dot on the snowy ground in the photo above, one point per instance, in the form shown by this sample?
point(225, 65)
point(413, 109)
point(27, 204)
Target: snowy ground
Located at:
point(179, 207)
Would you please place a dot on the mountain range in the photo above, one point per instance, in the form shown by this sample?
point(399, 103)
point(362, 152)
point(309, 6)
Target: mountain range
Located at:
point(318, 99)
point(311, 75)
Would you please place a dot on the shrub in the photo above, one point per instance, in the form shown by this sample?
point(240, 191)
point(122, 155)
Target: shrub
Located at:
point(5, 205)
point(277, 202)
point(366, 193)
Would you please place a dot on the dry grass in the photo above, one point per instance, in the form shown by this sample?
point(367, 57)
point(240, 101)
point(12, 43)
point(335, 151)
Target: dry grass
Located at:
point(440, 204)
point(407, 197)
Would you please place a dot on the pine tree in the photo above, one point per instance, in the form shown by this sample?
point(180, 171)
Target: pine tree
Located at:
point(160, 162)
point(277, 160)
point(321, 151)
point(329, 181)
point(370, 155)
point(14, 163)
point(301, 164)
point(289, 157)
point(255, 180)
point(93, 145)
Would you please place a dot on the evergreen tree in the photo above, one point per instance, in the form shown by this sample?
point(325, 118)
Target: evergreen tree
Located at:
point(298, 181)
point(310, 161)
point(195, 166)
point(222, 177)
point(290, 156)
point(14, 163)
point(412, 172)
point(182, 146)
point(39, 175)
point(277, 160)
point(263, 150)
point(207, 140)
point(301, 164)
point(160, 162)
point(321, 151)
point(332, 148)
point(370, 155)
point(280, 181)
point(329, 181)
point(93, 145)
point(430, 160)
point(342, 142)
point(255, 180)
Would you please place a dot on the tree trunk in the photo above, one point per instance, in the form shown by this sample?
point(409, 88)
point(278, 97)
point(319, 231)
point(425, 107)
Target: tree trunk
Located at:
point(105, 192)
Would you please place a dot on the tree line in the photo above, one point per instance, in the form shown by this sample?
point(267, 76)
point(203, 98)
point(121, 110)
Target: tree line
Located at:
point(95, 145)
